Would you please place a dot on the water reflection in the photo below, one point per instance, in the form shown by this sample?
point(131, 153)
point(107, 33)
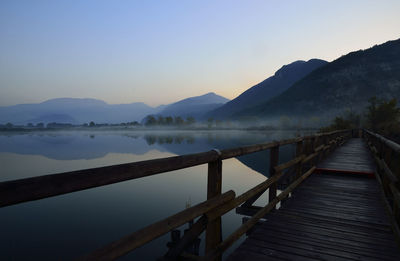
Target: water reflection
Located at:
point(64, 227)
point(88, 146)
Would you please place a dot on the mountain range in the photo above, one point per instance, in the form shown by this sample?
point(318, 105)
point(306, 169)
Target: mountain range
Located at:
point(284, 78)
point(346, 83)
point(195, 107)
point(79, 111)
point(302, 89)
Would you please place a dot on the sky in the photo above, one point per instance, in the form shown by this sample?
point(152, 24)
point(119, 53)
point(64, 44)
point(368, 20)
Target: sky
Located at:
point(158, 52)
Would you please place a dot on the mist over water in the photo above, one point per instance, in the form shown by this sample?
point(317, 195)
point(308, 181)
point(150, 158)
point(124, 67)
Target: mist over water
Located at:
point(71, 225)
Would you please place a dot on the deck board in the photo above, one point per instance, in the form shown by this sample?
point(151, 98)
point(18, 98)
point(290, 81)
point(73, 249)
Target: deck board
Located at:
point(353, 156)
point(330, 216)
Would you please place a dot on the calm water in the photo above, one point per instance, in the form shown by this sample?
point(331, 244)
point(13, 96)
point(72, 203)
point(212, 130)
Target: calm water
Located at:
point(65, 227)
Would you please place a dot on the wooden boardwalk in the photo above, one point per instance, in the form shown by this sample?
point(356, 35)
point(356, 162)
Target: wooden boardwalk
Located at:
point(332, 215)
point(354, 158)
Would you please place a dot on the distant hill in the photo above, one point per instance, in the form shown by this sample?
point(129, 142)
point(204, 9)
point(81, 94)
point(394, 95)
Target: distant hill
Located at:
point(195, 107)
point(76, 111)
point(79, 111)
point(344, 84)
point(269, 88)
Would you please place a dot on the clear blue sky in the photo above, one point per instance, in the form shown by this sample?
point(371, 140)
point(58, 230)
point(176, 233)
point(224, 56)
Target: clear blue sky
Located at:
point(158, 52)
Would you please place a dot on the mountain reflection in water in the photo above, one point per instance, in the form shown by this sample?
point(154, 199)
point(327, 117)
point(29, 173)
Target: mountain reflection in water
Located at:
point(93, 145)
point(68, 226)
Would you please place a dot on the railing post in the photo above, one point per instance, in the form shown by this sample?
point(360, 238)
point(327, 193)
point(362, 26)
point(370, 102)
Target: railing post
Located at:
point(312, 149)
point(299, 151)
point(214, 186)
point(273, 162)
point(396, 210)
point(386, 157)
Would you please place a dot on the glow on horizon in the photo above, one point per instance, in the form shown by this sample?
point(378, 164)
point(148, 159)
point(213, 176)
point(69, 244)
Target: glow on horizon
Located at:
point(159, 52)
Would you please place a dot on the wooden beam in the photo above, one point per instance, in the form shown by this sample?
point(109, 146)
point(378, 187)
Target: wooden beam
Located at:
point(288, 164)
point(243, 197)
point(23, 190)
point(299, 151)
point(188, 238)
point(273, 162)
point(214, 185)
point(254, 219)
point(130, 242)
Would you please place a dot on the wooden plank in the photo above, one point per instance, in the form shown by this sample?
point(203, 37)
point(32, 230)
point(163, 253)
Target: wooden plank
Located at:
point(338, 219)
point(252, 221)
point(329, 216)
point(130, 242)
point(331, 235)
point(336, 230)
point(188, 238)
point(273, 162)
point(23, 190)
point(248, 251)
point(214, 186)
point(309, 253)
point(288, 164)
point(317, 247)
point(246, 255)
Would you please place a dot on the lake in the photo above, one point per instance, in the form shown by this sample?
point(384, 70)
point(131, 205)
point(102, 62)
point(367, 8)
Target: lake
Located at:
point(71, 225)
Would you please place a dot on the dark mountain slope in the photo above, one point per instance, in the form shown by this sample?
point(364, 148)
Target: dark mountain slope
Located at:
point(269, 88)
point(346, 83)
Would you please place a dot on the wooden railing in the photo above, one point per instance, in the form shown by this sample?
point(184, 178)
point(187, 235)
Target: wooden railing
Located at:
point(387, 158)
point(309, 150)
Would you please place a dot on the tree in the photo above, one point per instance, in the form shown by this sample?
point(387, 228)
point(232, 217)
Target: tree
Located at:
point(134, 123)
point(210, 122)
point(339, 123)
point(190, 120)
point(161, 120)
point(179, 121)
point(150, 139)
point(150, 120)
point(169, 120)
point(350, 120)
point(383, 116)
point(92, 124)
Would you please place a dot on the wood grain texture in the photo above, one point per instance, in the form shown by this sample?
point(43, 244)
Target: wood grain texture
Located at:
point(330, 216)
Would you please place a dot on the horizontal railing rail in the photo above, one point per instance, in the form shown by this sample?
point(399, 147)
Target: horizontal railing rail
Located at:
point(309, 150)
point(28, 189)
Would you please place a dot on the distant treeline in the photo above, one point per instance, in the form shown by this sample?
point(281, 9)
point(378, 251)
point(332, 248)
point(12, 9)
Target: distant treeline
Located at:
point(56, 125)
point(381, 116)
point(152, 120)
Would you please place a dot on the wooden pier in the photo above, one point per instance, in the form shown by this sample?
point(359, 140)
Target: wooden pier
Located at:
point(339, 197)
point(336, 214)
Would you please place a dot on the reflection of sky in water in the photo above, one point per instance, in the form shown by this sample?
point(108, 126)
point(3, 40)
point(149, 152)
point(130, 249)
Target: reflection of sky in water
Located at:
point(94, 149)
point(67, 226)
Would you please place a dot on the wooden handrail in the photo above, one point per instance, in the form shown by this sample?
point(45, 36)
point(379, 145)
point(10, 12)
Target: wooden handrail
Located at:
point(217, 204)
point(23, 190)
point(28, 189)
point(253, 220)
point(391, 144)
point(396, 194)
point(382, 150)
point(289, 164)
point(144, 235)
